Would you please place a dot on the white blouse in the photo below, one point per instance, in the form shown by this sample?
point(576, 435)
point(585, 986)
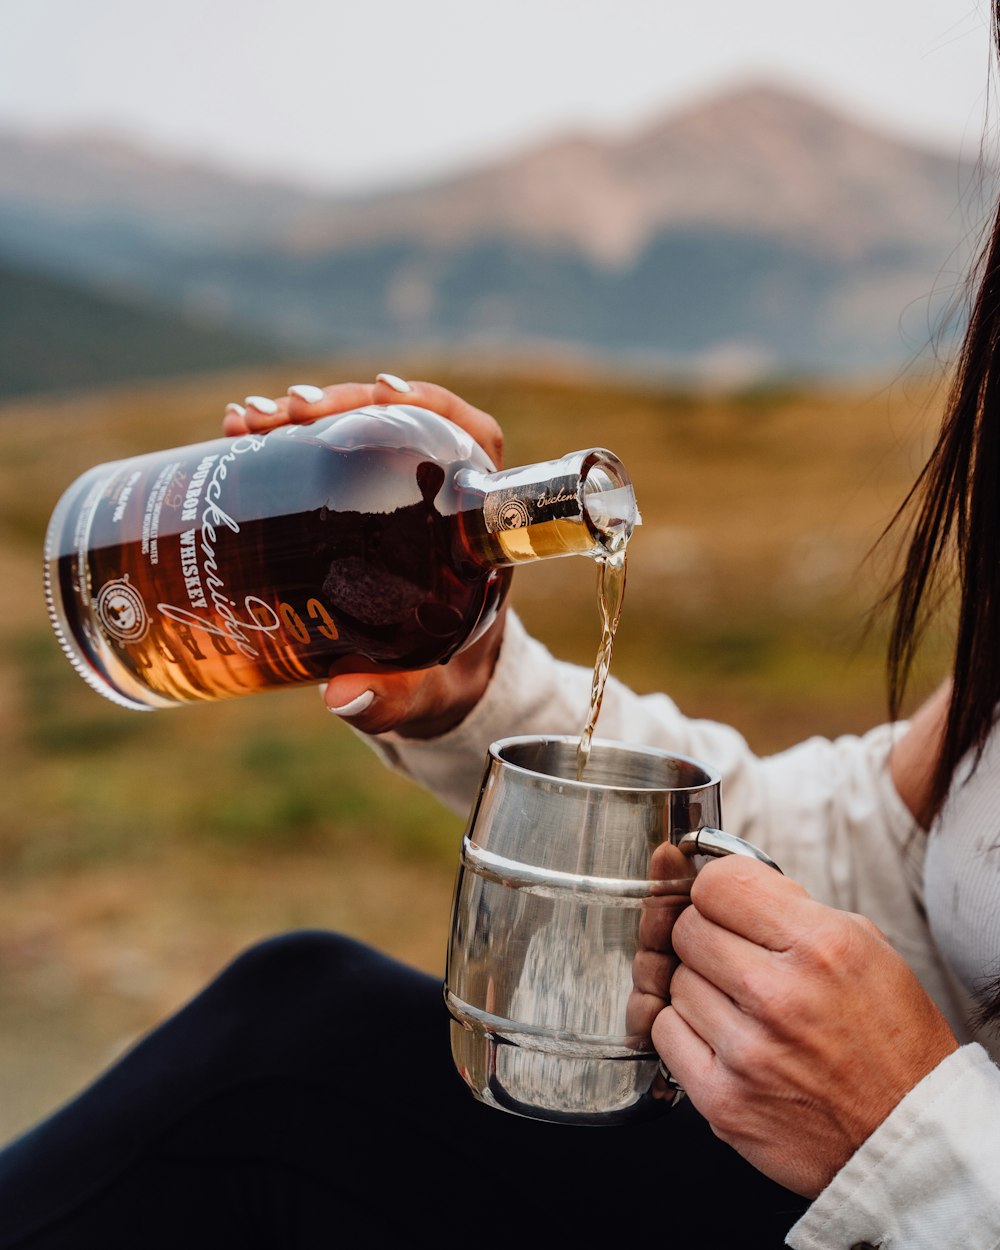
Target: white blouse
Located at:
point(962, 873)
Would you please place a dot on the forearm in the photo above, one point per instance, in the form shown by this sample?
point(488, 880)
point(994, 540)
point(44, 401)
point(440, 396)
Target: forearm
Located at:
point(533, 693)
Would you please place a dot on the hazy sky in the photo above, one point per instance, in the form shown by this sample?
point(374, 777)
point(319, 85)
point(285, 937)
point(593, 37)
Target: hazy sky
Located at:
point(377, 91)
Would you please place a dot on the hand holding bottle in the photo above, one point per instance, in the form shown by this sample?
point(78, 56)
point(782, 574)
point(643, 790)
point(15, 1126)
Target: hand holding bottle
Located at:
point(374, 538)
point(419, 704)
point(305, 403)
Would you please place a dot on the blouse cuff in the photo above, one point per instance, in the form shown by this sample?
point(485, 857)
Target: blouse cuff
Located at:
point(451, 765)
point(929, 1176)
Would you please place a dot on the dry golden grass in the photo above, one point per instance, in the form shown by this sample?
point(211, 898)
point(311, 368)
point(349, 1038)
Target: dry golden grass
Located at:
point(138, 853)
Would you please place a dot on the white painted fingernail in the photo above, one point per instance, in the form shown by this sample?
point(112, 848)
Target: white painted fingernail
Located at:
point(397, 384)
point(236, 410)
point(308, 394)
point(267, 406)
point(356, 705)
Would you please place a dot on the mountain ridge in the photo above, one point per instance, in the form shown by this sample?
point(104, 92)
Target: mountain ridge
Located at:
point(757, 224)
point(719, 137)
point(719, 162)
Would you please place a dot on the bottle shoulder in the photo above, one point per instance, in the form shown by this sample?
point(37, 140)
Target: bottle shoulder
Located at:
point(399, 427)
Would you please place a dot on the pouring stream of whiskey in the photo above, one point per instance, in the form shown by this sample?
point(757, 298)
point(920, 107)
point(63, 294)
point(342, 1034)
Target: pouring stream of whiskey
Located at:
point(610, 593)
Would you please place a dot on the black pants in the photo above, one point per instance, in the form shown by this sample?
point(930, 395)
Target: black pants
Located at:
point(306, 1098)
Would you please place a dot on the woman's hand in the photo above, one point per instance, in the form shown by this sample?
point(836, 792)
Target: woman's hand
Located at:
point(431, 701)
point(794, 1028)
point(304, 403)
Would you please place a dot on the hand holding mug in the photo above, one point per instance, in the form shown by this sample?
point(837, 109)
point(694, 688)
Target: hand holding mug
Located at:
point(793, 1027)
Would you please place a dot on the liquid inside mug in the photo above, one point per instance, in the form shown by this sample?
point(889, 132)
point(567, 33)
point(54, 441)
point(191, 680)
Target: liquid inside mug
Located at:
point(560, 956)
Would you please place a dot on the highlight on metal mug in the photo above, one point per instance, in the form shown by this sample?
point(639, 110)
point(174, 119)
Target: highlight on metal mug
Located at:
point(567, 891)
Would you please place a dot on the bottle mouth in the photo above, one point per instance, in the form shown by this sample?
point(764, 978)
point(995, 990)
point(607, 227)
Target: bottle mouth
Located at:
point(609, 505)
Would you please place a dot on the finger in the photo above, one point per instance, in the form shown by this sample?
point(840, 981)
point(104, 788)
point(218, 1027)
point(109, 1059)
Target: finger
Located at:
point(738, 967)
point(640, 1012)
point(709, 1012)
point(669, 863)
point(751, 899)
point(234, 421)
point(657, 919)
point(374, 702)
point(688, 1057)
point(483, 428)
point(305, 402)
point(263, 413)
point(420, 704)
point(651, 973)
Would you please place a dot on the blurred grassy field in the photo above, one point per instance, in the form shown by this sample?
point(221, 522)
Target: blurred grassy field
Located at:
point(139, 852)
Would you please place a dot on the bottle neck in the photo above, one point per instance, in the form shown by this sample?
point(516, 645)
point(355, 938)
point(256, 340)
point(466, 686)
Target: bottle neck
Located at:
point(581, 504)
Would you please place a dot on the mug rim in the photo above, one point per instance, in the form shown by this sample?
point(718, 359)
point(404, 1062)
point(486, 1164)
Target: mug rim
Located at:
point(712, 776)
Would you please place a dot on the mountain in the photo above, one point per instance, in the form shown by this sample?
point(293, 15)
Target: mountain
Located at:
point(756, 231)
point(56, 335)
point(756, 161)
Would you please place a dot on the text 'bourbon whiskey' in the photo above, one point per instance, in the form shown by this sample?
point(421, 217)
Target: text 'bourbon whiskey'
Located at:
point(247, 563)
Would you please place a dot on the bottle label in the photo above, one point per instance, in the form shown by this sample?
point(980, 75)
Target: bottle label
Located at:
point(217, 570)
point(519, 507)
point(182, 505)
point(203, 577)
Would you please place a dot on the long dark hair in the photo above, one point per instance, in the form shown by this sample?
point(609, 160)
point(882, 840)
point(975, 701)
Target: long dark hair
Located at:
point(955, 537)
point(954, 545)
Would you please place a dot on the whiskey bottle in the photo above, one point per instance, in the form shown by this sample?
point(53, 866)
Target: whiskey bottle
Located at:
point(243, 564)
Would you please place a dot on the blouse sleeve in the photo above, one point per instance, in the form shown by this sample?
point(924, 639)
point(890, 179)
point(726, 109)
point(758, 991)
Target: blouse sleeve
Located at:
point(929, 1176)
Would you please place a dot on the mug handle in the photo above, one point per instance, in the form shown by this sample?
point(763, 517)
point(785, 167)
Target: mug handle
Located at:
point(717, 842)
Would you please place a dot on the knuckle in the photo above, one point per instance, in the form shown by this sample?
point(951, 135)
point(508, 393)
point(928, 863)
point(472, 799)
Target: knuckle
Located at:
point(721, 1107)
point(725, 1132)
point(839, 943)
point(765, 996)
point(729, 881)
point(868, 929)
point(754, 1056)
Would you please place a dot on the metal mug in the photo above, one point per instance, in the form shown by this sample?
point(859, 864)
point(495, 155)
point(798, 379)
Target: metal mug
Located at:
point(559, 956)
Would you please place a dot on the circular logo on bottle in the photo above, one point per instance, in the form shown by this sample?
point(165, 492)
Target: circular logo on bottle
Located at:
point(121, 610)
point(513, 514)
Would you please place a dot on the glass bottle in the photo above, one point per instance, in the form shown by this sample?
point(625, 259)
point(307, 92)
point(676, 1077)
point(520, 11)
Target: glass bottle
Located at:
point(255, 562)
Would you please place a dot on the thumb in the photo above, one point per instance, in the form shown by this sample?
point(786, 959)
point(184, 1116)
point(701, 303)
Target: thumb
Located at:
point(373, 702)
